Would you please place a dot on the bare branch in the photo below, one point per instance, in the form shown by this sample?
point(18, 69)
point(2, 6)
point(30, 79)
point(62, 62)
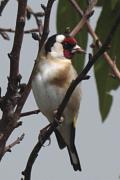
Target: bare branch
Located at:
point(43, 136)
point(19, 32)
point(31, 31)
point(91, 4)
point(3, 3)
point(4, 35)
point(84, 19)
point(9, 119)
point(36, 16)
point(17, 141)
point(79, 26)
point(30, 113)
point(10, 30)
point(108, 59)
point(43, 38)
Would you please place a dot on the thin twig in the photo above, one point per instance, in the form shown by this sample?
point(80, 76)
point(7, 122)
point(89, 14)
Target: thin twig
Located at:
point(36, 16)
point(38, 21)
point(4, 35)
point(30, 113)
point(108, 59)
point(17, 141)
point(43, 38)
point(84, 19)
point(10, 30)
point(79, 26)
point(31, 31)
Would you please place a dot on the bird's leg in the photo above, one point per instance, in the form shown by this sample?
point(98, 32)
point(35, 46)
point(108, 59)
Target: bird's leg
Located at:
point(46, 129)
point(43, 133)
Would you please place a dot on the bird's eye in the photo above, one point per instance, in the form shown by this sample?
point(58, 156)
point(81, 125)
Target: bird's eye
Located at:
point(67, 45)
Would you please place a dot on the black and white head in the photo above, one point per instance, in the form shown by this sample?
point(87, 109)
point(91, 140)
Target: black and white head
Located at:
point(60, 45)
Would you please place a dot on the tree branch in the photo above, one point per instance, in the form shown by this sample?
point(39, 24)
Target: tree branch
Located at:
point(108, 59)
point(3, 3)
point(36, 16)
point(43, 38)
point(9, 101)
point(85, 16)
point(44, 135)
point(10, 30)
point(30, 113)
point(19, 32)
point(4, 31)
point(79, 26)
point(17, 141)
point(51, 127)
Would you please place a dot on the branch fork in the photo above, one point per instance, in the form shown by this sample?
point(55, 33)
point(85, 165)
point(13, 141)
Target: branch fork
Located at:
point(106, 56)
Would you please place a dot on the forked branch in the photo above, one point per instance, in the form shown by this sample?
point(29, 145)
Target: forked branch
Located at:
point(43, 38)
point(9, 101)
point(106, 56)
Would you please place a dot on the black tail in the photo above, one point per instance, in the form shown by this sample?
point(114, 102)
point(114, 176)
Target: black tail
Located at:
point(74, 159)
point(71, 150)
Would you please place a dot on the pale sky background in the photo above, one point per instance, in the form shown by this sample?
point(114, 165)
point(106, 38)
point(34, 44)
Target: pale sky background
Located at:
point(98, 144)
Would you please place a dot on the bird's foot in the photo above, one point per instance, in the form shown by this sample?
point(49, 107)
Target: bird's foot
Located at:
point(42, 134)
point(59, 121)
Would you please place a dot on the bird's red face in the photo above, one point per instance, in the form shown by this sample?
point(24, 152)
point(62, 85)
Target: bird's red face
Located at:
point(70, 47)
point(59, 45)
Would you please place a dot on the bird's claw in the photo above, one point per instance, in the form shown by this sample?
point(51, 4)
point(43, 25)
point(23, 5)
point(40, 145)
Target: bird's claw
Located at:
point(59, 121)
point(41, 136)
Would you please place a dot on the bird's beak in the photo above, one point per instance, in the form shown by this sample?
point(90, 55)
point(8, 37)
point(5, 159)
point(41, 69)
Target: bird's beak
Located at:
point(78, 49)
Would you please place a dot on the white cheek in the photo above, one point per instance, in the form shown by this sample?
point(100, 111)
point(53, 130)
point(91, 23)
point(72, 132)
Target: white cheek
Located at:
point(54, 54)
point(60, 38)
point(57, 50)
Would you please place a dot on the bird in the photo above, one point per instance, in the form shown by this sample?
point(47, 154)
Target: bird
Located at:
point(53, 75)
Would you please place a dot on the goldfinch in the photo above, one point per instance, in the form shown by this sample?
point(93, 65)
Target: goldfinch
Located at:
point(53, 75)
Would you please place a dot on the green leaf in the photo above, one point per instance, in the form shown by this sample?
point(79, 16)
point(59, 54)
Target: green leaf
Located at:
point(100, 2)
point(104, 82)
point(68, 17)
point(113, 3)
